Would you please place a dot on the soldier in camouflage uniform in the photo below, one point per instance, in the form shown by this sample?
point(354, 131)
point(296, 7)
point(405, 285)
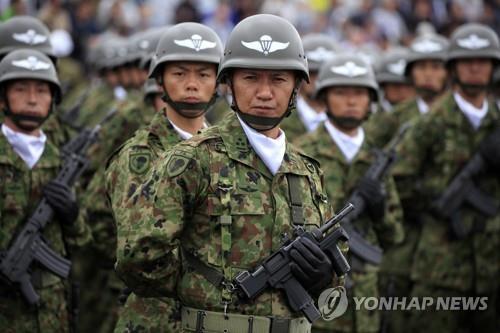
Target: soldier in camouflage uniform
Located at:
point(224, 196)
point(426, 69)
point(29, 91)
point(188, 79)
point(29, 32)
point(310, 111)
point(438, 145)
point(395, 86)
point(348, 87)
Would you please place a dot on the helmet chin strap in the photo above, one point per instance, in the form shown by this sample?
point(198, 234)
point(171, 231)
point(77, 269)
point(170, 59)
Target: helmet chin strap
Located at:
point(18, 118)
point(263, 124)
point(189, 110)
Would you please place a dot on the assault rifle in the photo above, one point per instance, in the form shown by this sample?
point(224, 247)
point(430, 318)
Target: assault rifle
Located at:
point(384, 160)
point(29, 245)
point(275, 271)
point(462, 190)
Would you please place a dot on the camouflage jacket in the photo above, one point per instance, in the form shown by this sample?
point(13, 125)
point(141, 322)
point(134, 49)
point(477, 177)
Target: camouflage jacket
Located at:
point(293, 126)
point(215, 174)
point(434, 150)
point(383, 125)
point(20, 193)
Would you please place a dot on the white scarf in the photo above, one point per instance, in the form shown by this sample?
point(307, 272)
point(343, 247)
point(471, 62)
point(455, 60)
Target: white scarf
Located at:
point(310, 118)
point(473, 114)
point(182, 133)
point(423, 107)
point(348, 145)
point(29, 147)
point(271, 151)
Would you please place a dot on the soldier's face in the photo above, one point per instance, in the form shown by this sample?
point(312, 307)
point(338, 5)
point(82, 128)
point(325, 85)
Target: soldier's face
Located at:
point(396, 92)
point(429, 75)
point(348, 102)
point(261, 92)
point(29, 98)
point(475, 71)
point(190, 82)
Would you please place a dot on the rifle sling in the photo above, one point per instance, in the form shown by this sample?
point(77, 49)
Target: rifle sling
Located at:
point(297, 211)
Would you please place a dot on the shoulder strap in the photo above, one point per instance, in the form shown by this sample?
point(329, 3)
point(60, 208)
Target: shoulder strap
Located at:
point(295, 199)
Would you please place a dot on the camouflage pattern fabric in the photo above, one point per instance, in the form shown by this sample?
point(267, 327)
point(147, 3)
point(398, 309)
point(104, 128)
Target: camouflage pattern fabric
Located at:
point(20, 193)
point(340, 181)
point(432, 153)
point(127, 169)
point(293, 126)
point(180, 203)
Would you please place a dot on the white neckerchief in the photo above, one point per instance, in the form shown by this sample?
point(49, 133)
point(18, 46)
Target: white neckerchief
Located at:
point(473, 114)
point(182, 133)
point(310, 118)
point(28, 147)
point(270, 151)
point(423, 107)
point(120, 93)
point(349, 145)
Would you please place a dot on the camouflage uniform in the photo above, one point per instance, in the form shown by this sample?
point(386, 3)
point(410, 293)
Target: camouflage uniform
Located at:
point(340, 181)
point(126, 170)
point(20, 193)
point(184, 187)
point(293, 126)
point(432, 153)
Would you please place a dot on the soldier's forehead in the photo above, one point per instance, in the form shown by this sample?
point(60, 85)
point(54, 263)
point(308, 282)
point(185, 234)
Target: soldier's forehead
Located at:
point(265, 71)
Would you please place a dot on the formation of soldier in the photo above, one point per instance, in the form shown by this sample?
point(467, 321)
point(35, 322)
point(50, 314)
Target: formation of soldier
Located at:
point(213, 158)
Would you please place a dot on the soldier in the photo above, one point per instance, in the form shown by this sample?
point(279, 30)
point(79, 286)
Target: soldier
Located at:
point(310, 111)
point(187, 76)
point(396, 87)
point(426, 69)
point(225, 196)
point(347, 86)
point(446, 263)
point(29, 91)
point(29, 32)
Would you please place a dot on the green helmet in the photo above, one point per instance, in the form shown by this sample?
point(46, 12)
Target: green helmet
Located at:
point(148, 45)
point(318, 48)
point(391, 68)
point(25, 32)
point(427, 47)
point(347, 70)
point(474, 40)
point(30, 64)
point(264, 41)
point(187, 41)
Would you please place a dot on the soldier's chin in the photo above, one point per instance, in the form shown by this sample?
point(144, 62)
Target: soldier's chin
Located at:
point(473, 89)
point(428, 92)
point(28, 125)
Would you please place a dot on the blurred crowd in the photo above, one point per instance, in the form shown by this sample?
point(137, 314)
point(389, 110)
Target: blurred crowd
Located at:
point(371, 24)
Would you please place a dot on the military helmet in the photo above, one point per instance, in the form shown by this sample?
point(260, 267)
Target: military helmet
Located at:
point(427, 47)
point(318, 48)
point(148, 45)
point(25, 32)
point(474, 40)
point(30, 64)
point(187, 41)
point(264, 41)
point(346, 70)
point(391, 67)
point(150, 89)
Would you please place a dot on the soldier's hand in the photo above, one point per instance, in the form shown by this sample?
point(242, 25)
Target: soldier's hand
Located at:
point(311, 266)
point(62, 200)
point(490, 150)
point(374, 193)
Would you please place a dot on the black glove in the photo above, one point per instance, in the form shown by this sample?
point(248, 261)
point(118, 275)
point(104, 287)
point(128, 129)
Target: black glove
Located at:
point(490, 150)
point(374, 194)
point(311, 266)
point(62, 200)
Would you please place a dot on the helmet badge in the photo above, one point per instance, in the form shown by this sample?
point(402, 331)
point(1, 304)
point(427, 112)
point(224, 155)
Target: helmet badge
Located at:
point(426, 46)
point(30, 37)
point(31, 63)
point(320, 54)
point(265, 45)
point(473, 42)
point(397, 68)
point(196, 42)
point(349, 69)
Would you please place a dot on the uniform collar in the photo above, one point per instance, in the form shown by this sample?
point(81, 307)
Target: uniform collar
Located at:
point(161, 127)
point(238, 148)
